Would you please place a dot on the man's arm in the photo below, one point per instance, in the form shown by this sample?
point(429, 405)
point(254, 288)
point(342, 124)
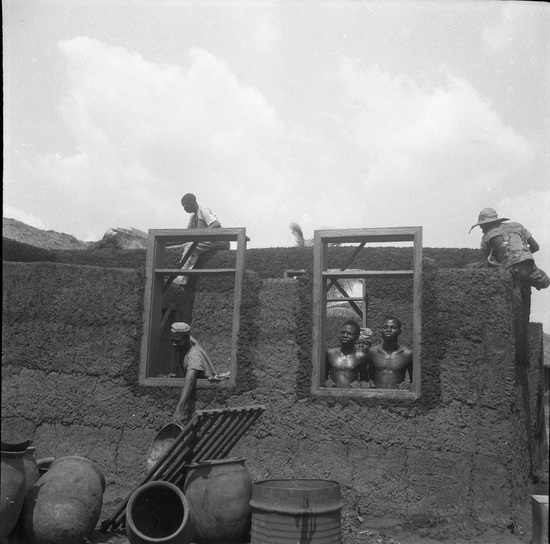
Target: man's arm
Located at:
point(214, 225)
point(328, 381)
point(404, 384)
point(190, 381)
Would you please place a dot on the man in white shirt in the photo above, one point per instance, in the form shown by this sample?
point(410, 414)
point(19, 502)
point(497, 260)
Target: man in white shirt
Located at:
point(193, 361)
point(201, 218)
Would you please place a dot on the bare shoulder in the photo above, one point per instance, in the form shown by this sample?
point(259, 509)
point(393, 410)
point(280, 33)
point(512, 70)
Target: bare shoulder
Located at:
point(408, 352)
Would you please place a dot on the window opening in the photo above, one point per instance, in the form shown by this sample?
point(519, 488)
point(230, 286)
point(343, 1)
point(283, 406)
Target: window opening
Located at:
point(163, 304)
point(365, 295)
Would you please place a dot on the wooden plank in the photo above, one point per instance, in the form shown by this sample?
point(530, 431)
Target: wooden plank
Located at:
point(417, 314)
point(180, 236)
point(319, 310)
point(230, 443)
point(182, 261)
point(389, 234)
point(344, 293)
point(202, 383)
point(366, 393)
point(188, 253)
point(211, 450)
point(240, 265)
point(152, 309)
point(344, 299)
point(370, 274)
point(168, 312)
point(195, 271)
point(223, 425)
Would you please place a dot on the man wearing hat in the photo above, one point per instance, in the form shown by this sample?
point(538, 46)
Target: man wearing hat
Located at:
point(201, 218)
point(192, 359)
point(364, 342)
point(510, 246)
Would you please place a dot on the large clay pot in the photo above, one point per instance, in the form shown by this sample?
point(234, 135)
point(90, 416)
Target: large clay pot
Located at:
point(64, 505)
point(219, 492)
point(159, 512)
point(12, 490)
point(31, 468)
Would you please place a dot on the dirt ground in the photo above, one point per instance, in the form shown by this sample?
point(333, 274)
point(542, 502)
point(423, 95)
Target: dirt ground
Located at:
point(391, 531)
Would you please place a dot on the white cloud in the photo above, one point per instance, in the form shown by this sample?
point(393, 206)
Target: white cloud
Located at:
point(144, 133)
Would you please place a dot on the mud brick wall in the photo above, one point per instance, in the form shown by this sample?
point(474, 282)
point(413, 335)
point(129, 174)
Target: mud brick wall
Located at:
point(71, 338)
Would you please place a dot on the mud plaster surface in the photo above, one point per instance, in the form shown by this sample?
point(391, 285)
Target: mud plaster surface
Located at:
point(107, 303)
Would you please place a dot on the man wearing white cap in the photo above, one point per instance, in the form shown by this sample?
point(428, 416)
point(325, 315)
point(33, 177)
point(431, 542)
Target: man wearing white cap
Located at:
point(510, 246)
point(192, 359)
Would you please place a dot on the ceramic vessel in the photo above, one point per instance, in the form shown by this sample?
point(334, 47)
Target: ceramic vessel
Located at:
point(12, 490)
point(159, 512)
point(31, 468)
point(219, 492)
point(64, 504)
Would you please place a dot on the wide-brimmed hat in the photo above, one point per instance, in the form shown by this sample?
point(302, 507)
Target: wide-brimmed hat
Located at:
point(488, 215)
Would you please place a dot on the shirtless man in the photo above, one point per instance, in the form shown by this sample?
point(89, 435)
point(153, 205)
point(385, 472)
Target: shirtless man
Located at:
point(389, 362)
point(346, 367)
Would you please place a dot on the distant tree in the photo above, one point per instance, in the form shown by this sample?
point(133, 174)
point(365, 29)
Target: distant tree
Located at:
point(298, 233)
point(333, 308)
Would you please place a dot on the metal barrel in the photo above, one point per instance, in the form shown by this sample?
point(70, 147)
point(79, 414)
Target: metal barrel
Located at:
point(296, 512)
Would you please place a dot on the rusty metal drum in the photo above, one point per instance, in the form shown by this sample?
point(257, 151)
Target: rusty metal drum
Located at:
point(296, 512)
point(219, 493)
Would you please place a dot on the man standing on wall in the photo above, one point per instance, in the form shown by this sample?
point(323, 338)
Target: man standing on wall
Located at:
point(510, 246)
point(346, 367)
point(193, 361)
point(389, 362)
point(201, 218)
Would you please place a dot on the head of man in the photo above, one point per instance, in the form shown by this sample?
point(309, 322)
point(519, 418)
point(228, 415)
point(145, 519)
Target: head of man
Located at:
point(349, 333)
point(180, 337)
point(189, 203)
point(488, 219)
point(391, 328)
point(364, 342)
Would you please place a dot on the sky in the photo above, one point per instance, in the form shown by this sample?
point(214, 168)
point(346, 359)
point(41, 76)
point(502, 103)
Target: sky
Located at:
point(332, 114)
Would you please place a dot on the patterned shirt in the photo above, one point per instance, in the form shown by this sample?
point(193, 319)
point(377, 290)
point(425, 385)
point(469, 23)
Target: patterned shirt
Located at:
point(514, 243)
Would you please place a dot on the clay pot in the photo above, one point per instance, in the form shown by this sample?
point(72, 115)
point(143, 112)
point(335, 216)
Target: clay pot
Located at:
point(31, 468)
point(64, 504)
point(12, 490)
point(219, 492)
point(159, 512)
point(44, 465)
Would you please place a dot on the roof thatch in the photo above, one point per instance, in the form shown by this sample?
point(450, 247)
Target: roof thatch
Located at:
point(122, 238)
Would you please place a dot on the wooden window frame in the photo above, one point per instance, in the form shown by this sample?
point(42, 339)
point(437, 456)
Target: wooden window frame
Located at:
point(321, 276)
point(156, 272)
